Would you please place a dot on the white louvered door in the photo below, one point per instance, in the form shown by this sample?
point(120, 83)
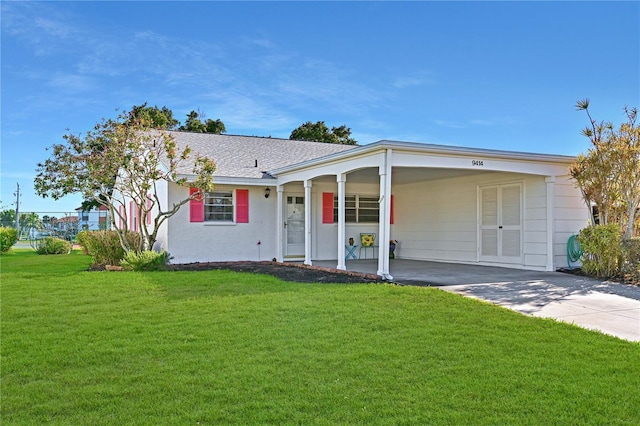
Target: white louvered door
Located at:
point(500, 223)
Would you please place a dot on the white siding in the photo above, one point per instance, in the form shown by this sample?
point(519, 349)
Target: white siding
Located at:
point(162, 188)
point(207, 242)
point(437, 219)
point(571, 214)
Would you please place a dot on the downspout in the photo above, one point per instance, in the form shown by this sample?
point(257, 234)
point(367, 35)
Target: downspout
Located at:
point(550, 182)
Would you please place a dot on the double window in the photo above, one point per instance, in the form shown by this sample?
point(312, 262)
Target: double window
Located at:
point(218, 206)
point(358, 209)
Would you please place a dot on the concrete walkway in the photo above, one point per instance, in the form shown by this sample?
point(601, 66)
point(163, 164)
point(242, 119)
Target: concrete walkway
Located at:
point(609, 307)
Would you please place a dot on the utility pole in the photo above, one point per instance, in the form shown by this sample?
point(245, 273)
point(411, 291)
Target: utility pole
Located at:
point(17, 194)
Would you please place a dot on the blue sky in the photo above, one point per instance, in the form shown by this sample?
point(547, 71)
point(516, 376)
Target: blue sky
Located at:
point(499, 75)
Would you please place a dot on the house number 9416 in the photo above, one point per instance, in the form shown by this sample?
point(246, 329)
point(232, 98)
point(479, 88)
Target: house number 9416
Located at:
point(478, 163)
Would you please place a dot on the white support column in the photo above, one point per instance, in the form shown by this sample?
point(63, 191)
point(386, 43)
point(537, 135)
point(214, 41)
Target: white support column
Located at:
point(307, 222)
point(280, 224)
point(551, 195)
point(341, 179)
point(384, 225)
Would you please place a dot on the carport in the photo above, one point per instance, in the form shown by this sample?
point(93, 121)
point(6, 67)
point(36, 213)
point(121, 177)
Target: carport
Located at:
point(447, 204)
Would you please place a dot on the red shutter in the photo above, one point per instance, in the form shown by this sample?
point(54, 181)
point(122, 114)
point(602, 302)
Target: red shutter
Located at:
point(242, 206)
point(327, 207)
point(148, 209)
point(132, 218)
point(122, 211)
point(391, 218)
point(196, 207)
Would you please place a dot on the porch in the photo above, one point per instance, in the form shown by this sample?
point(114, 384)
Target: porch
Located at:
point(443, 204)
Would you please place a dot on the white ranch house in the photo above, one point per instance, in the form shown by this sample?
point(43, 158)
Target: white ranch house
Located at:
point(296, 200)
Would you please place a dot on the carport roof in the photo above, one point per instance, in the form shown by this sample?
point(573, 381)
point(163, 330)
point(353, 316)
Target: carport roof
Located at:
point(425, 148)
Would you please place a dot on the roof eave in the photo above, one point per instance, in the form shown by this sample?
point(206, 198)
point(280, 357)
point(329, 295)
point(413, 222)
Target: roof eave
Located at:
point(231, 180)
point(428, 149)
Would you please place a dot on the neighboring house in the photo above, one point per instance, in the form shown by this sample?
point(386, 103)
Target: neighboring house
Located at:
point(65, 224)
point(93, 220)
point(298, 200)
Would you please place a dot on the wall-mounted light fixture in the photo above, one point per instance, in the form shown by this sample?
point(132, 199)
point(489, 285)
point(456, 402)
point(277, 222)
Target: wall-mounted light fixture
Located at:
point(267, 192)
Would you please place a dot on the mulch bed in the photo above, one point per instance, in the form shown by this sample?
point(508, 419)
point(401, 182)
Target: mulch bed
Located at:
point(285, 271)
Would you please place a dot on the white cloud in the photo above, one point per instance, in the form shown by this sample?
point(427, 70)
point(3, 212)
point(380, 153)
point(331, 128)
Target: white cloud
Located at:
point(53, 28)
point(249, 82)
point(72, 82)
point(450, 124)
point(480, 122)
point(415, 79)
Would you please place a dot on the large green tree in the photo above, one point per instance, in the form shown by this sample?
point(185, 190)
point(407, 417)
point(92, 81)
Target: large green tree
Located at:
point(120, 161)
point(157, 118)
point(194, 123)
point(609, 174)
point(8, 218)
point(319, 132)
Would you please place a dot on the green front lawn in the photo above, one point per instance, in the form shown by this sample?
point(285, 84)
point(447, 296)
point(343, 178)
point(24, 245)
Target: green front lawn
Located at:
point(219, 347)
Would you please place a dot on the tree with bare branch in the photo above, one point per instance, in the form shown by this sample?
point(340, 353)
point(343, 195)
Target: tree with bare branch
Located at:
point(609, 174)
point(119, 162)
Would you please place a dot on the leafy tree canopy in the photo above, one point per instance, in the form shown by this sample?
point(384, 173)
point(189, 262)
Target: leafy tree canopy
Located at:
point(319, 132)
point(8, 217)
point(609, 174)
point(157, 118)
point(194, 123)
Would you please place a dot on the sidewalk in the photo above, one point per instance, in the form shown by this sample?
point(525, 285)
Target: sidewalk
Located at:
point(609, 313)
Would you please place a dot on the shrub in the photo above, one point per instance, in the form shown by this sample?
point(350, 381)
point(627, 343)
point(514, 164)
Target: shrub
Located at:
point(83, 240)
point(601, 250)
point(53, 245)
point(631, 260)
point(104, 246)
point(145, 260)
point(8, 237)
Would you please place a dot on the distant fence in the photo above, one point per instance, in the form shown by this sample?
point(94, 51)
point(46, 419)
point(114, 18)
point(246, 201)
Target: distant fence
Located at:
point(38, 225)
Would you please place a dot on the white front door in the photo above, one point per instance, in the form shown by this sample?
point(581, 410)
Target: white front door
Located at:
point(500, 223)
point(294, 226)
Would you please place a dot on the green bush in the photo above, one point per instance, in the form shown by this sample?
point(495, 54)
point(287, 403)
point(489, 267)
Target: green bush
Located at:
point(631, 260)
point(145, 260)
point(104, 246)
point(8, 237)
point(53, 245)
point(83, 240)
point(601, 250)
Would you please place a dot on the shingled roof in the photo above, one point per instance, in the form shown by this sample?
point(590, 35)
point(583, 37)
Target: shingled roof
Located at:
point(250, 156)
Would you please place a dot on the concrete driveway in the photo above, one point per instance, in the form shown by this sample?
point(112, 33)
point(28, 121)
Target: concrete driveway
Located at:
point(609, 307)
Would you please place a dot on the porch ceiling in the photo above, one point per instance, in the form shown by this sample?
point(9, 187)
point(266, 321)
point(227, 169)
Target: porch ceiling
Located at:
point(402, 175)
